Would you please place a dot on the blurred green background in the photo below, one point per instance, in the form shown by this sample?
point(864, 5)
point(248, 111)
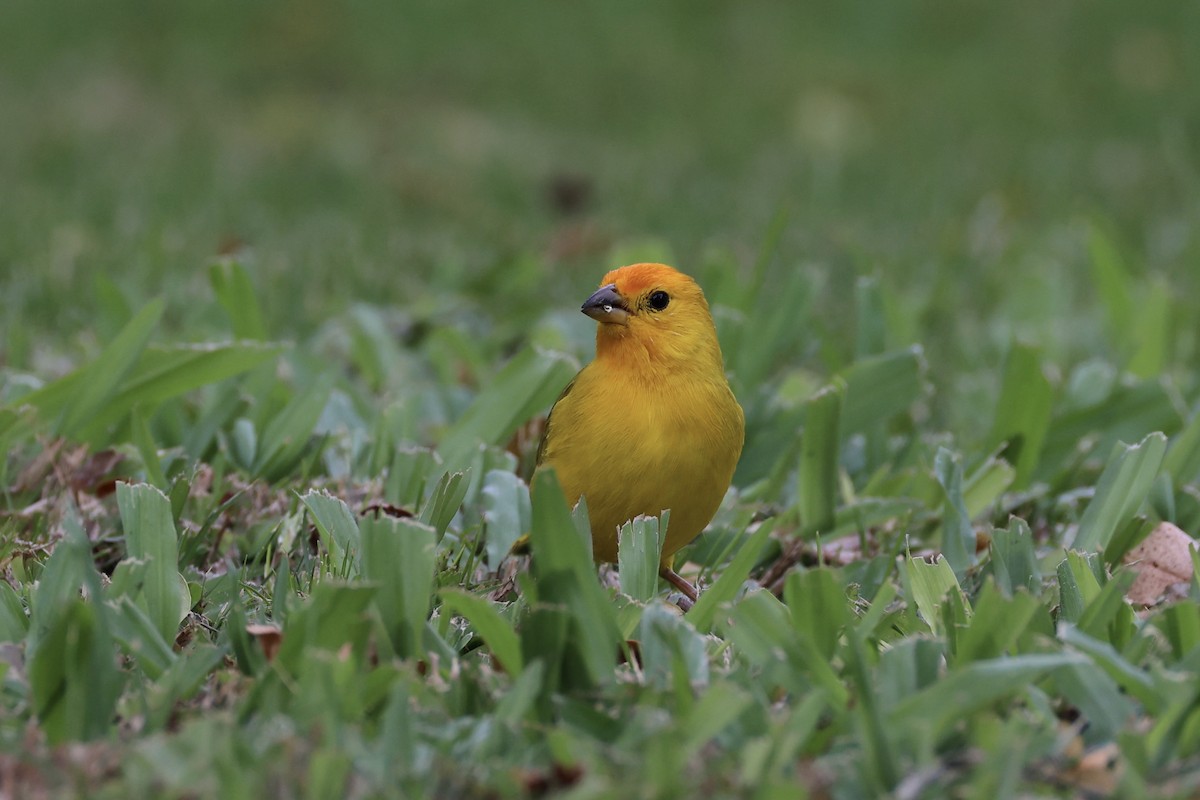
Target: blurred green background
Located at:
point(482, 164)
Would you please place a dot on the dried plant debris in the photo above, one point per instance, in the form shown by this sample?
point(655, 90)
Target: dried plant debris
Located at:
point(1163, 563)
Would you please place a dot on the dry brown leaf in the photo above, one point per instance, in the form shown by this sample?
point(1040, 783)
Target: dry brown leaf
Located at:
point(1098, 771)
point(377, 507)
point(37, 470)
point(1162, 561)
point(95, 473)
point(270, 638)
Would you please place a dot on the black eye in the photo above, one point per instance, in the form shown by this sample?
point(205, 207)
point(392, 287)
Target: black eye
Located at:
point(659, 300)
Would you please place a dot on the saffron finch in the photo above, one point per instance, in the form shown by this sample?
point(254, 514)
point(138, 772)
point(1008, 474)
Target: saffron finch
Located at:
point(651, 423)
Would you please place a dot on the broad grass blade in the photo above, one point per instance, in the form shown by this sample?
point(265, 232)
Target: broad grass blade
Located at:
point(1123, 485)
point(820, 610)
point(870, 318)
point(151, 539)
point(1078, 585)
point(75, 398)
point(147, 449)
point(1023, 410)
point(284, 439)
point(1096, 695)
point(565, 575)
point(334, 617)
point(928, 584)
point(14, 624)
point(997, 622)
point(497, 632)
point(138, 637)
point(880, 387)
point(408, 473)
point(672, 651)
point(162, 374)
point(717, 708)
point(446, 500)
point(934, 710)
point(819, 452)
point(639, 551)
point(984, 487)
point(1014, 562)
point(235, 292)
point(780, 318)
point(1128, 413)
point(1182, 461)
point(399, 555)
point(336, 526)
point(74, 681)
point(958, 537)
point(726, 587)
point(1113, 283)
point(507, 513)
point(527, 384)
point(1132, 680)
point(73, 678)
point(1151, 330)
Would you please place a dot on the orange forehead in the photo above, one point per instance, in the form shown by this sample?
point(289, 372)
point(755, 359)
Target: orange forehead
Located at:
point(635, 279)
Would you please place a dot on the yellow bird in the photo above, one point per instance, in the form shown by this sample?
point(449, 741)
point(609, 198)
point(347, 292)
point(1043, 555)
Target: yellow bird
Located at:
point(651, 424)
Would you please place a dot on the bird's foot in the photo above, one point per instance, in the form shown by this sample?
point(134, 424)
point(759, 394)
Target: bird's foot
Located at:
point(690, 595)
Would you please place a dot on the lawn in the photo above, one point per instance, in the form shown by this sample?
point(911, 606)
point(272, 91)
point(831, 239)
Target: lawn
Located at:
point(286, 291)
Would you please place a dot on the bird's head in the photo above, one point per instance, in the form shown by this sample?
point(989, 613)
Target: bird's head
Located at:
point(655, 310)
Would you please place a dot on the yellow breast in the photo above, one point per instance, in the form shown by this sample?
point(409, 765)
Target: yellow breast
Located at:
point(633, 447)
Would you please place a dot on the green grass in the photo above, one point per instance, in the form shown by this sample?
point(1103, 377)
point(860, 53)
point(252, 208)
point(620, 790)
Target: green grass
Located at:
point(285, 289)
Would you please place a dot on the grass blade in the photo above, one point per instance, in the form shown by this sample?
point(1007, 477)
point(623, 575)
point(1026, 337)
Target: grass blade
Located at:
point(1023, 410)
point(497, 632)
point(150, 538)
point(933, 710)
point(446, 500)
point(74, 682)
point(333, 619)
point(880, 387)
point(870, 318)
point(1182, 461)
point(144, 441)
point(287, 434)
point(336, 526)
point(819, 452)
point(1151, 330)
point(820, 611)
point(1112, 282)
point(928, 584)
point(671, 650)
point(997, 622)
point(564, 573)
point(399, 555)
point(726, 587)
point(529, 383)
point(506, 513)
point(1078, 585)
point(958, 537)
point(14, 624)
point(1014, 562)
point(74, 399)
point(780, 317)
point(1123, 485)
point(639, 551)
point(1126, 414)
point(235, 292)
point(135, 631)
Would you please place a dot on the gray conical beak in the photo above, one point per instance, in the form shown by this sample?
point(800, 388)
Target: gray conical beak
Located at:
point(606, 305)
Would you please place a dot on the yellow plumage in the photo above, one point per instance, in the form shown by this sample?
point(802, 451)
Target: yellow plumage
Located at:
point(651, 423)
